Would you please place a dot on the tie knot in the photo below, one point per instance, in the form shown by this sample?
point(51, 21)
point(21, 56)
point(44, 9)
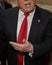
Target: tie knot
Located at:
point(26, 14)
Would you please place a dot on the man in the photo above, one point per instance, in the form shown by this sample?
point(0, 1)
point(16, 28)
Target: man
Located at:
point(31, 46)
point(3, 6)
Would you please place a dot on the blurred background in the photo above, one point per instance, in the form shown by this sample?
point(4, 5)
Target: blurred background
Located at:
point(47, 4)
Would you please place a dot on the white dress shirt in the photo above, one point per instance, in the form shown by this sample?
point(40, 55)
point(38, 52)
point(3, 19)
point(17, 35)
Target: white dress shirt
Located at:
point(20, 20)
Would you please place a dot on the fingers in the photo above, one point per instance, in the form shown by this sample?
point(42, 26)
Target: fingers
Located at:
point(17, 46)
point(13, 43)
point(25, 47)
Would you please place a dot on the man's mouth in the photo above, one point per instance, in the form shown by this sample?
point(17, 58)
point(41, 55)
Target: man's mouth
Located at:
point(27, 4)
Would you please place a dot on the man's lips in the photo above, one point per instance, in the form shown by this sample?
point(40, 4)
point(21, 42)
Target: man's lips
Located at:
point(27, 4)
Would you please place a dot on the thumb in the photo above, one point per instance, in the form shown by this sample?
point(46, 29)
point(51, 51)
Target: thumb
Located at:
point(24, 41)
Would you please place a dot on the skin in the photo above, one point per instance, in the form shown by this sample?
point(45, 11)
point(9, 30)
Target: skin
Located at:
point(25, 6)
point(24, 47)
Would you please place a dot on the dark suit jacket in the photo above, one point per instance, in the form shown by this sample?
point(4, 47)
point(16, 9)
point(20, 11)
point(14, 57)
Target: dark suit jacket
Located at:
point(3, 53)
point(40, 35)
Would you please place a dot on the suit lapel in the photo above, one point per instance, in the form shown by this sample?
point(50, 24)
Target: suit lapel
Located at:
point(13, 23)
point(34, 27)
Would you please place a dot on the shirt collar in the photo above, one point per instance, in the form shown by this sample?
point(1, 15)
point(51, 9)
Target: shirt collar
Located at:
point(21, 12)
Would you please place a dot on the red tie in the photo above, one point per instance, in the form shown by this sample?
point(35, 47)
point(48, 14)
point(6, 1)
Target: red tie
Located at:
point(22, 35)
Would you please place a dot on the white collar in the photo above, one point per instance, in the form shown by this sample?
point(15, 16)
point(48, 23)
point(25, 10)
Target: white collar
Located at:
point(21, 12)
